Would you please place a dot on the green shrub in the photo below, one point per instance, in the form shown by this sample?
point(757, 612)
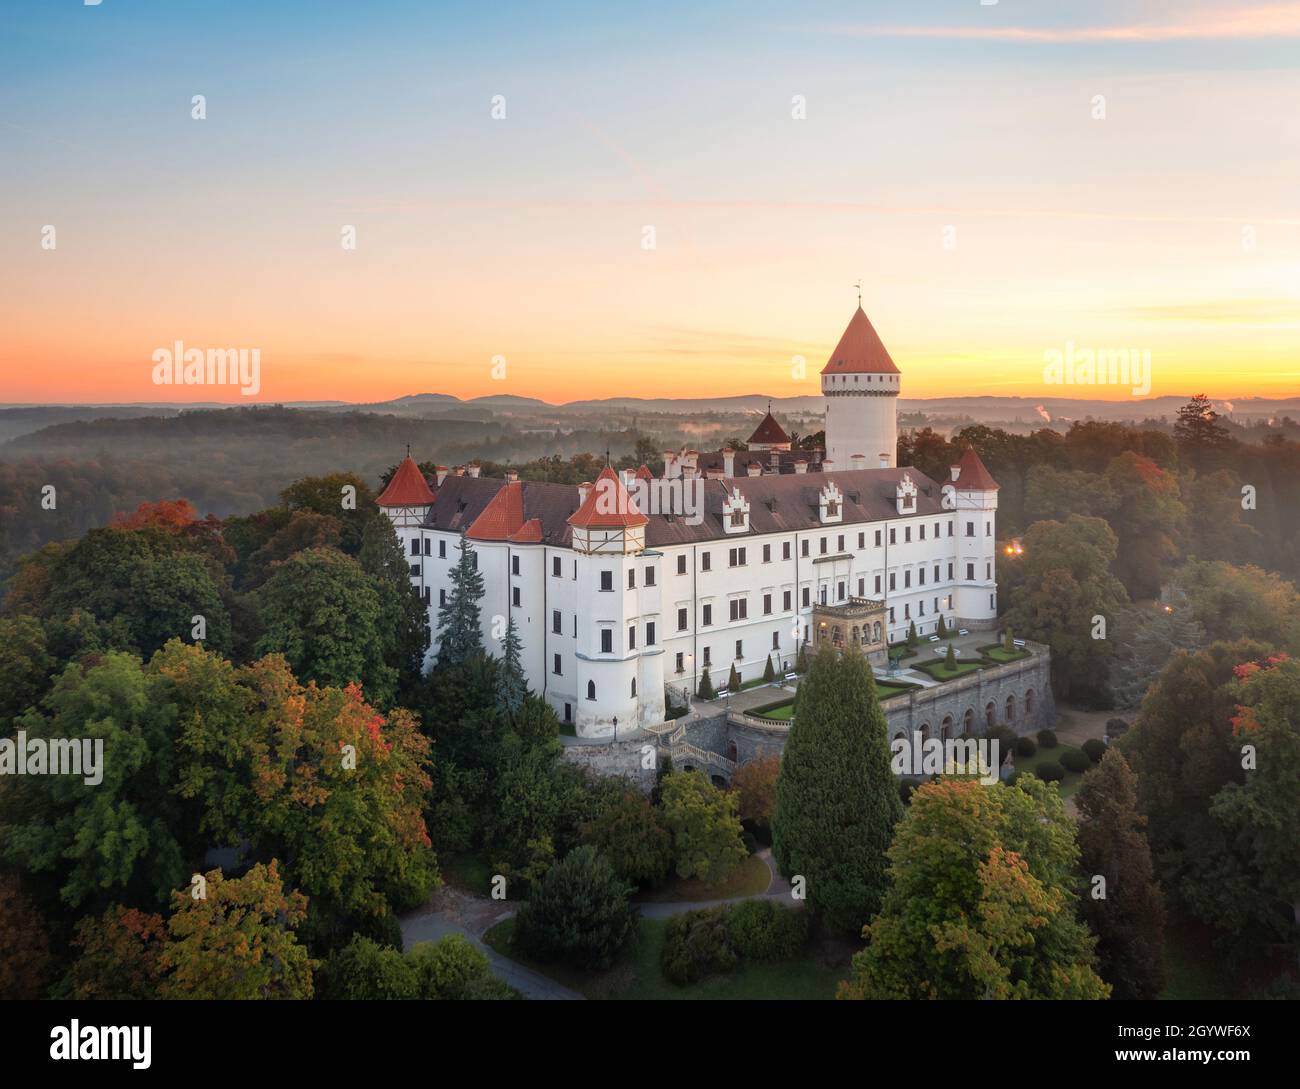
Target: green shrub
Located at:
point(1050, 771)
point(489, 989)
point(578, 913)
point(364, 969)
point(697, 944)
point(1116, 726)
point(446, 969)
point(764, 930)
point(1012, 778)
point(1047, 739)
point(705, 689)
point(1095, 748)
point(1025, 746)
point(1075, 760)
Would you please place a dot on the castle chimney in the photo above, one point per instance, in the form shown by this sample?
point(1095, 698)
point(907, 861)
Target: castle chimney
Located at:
point(955, 470)
point(512, 475)
point(884, 461)
point(800, 466)
point(459, 470)
point(754, 469)
point(474, 470)
point(728, 462)
point(440, 472)
point(583, 489)
point(672, 469)
point(828, 465)
point(858, 461)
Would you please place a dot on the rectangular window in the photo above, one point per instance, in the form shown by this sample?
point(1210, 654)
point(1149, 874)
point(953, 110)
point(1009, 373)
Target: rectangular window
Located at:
point(707, 658)
point(936, 531)
point(555, 567)
point(514, 596)
point(740, 649)
point(862, 540)
point(907, 535)
point(891, 582)
point(923, 533)
point(950, 572)
point(442, 550)
point(785, 550)
point(555, 667)
point(776, 640)
point(739, 608)
point(428, 546)
point(415, 570)
point(631, 578)
point(936, 572)
point(415, 547)
point(767, 553)
point(736, 557)
point(804, 546)
point(920, 576)
point(427, 593)
point(606, 641)
point(681, 564)
point(822, 546)
point(708, 615)
point(988, 529)
point(970, 572)
point(442, 597)
point(649, 576)
point(767, 604)
point(557, 622)
point(840, 595)
point(806, 597)
point(970, 529)
point(681, 662)
point(631, 637)
point(785, 601)
point(988, 570)
point(839, 543)
point(907, 579)
point(706, 561)
point(893, 535)
point(681, 619)
point(862, 587)
point(650, 634)
point(877, 584)
point(877, 538)
point(514, 565)
point(607, 581)
point(907, 612)
point(949, 529)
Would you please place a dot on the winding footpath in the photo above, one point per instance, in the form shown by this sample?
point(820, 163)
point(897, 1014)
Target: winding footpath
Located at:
point(455, 911)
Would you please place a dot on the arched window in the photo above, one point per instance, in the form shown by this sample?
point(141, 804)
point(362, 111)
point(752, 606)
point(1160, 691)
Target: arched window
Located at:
point(925, 731)
point(991, 715)
point(1011, 709)
point(1029, 703)
point(875, 632)
point(946, 729)
point(968, 721)
point(591, 690)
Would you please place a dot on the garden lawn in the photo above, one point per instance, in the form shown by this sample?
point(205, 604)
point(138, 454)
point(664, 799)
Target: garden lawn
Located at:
point(1066, 786)
point(940, 671)
point(636, 973)
point(998, 654)
point(751, 878)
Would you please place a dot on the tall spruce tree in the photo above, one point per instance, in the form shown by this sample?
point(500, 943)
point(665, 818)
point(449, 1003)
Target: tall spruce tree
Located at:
point(511, 687)
point(404, 619)
point(1129, 921)
point(836, 798)
point(459, 635)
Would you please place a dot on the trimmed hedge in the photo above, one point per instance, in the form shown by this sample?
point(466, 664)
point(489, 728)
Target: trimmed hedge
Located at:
point(697, 944)
point(1025, 746)
point(1116, 726)
point(1075, 760)
point(1050, 771)
point(763, 930)
point(1047, 739)
point(1095, 747)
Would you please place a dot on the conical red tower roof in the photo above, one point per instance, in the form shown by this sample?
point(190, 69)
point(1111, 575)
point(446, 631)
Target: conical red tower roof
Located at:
point(769, 432)
point(607, 506)
point(408, 488)
point(860, 350)
point(972, 475)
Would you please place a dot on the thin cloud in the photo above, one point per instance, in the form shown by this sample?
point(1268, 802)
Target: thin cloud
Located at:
point(1256, 22)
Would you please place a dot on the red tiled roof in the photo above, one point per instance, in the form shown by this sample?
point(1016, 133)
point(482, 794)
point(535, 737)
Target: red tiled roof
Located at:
point(502, 517)
point(608, 506)
point(769, 431)
point(529, 533)
point(972, 475)
point(860, 350)
point(408, 488)
point(644, 473)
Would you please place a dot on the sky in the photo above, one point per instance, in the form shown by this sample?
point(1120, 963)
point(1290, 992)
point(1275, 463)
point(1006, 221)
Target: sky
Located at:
point(678, 201)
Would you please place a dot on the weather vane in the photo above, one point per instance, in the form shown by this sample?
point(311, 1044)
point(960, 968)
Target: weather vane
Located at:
point(858, 285)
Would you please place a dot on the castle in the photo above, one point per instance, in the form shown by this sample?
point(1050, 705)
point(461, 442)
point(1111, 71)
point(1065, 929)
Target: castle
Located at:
point(627, 584)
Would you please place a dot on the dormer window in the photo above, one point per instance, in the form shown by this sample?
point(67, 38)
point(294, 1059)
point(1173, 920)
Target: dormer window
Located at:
point(735, 512)
point(830, 504)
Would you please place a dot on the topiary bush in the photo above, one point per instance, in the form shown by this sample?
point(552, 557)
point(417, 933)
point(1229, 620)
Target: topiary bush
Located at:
point(1075, 760)
point(1047, 739)
point(763, 930)
point(1050, 771)
point(1025, 746)
point(1095, 747)
point(697, 944)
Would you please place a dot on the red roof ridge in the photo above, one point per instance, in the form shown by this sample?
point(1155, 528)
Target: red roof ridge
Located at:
point(502, 517)
point(972, 475)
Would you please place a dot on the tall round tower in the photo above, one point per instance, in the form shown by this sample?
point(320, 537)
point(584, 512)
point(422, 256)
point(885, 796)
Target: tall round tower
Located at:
point(860, 384)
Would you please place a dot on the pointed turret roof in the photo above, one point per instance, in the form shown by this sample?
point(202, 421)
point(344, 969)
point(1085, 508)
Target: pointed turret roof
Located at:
point(860, 350)
point(408, 488)
point(607, 506)
point(972, 475)
point(768, 432)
